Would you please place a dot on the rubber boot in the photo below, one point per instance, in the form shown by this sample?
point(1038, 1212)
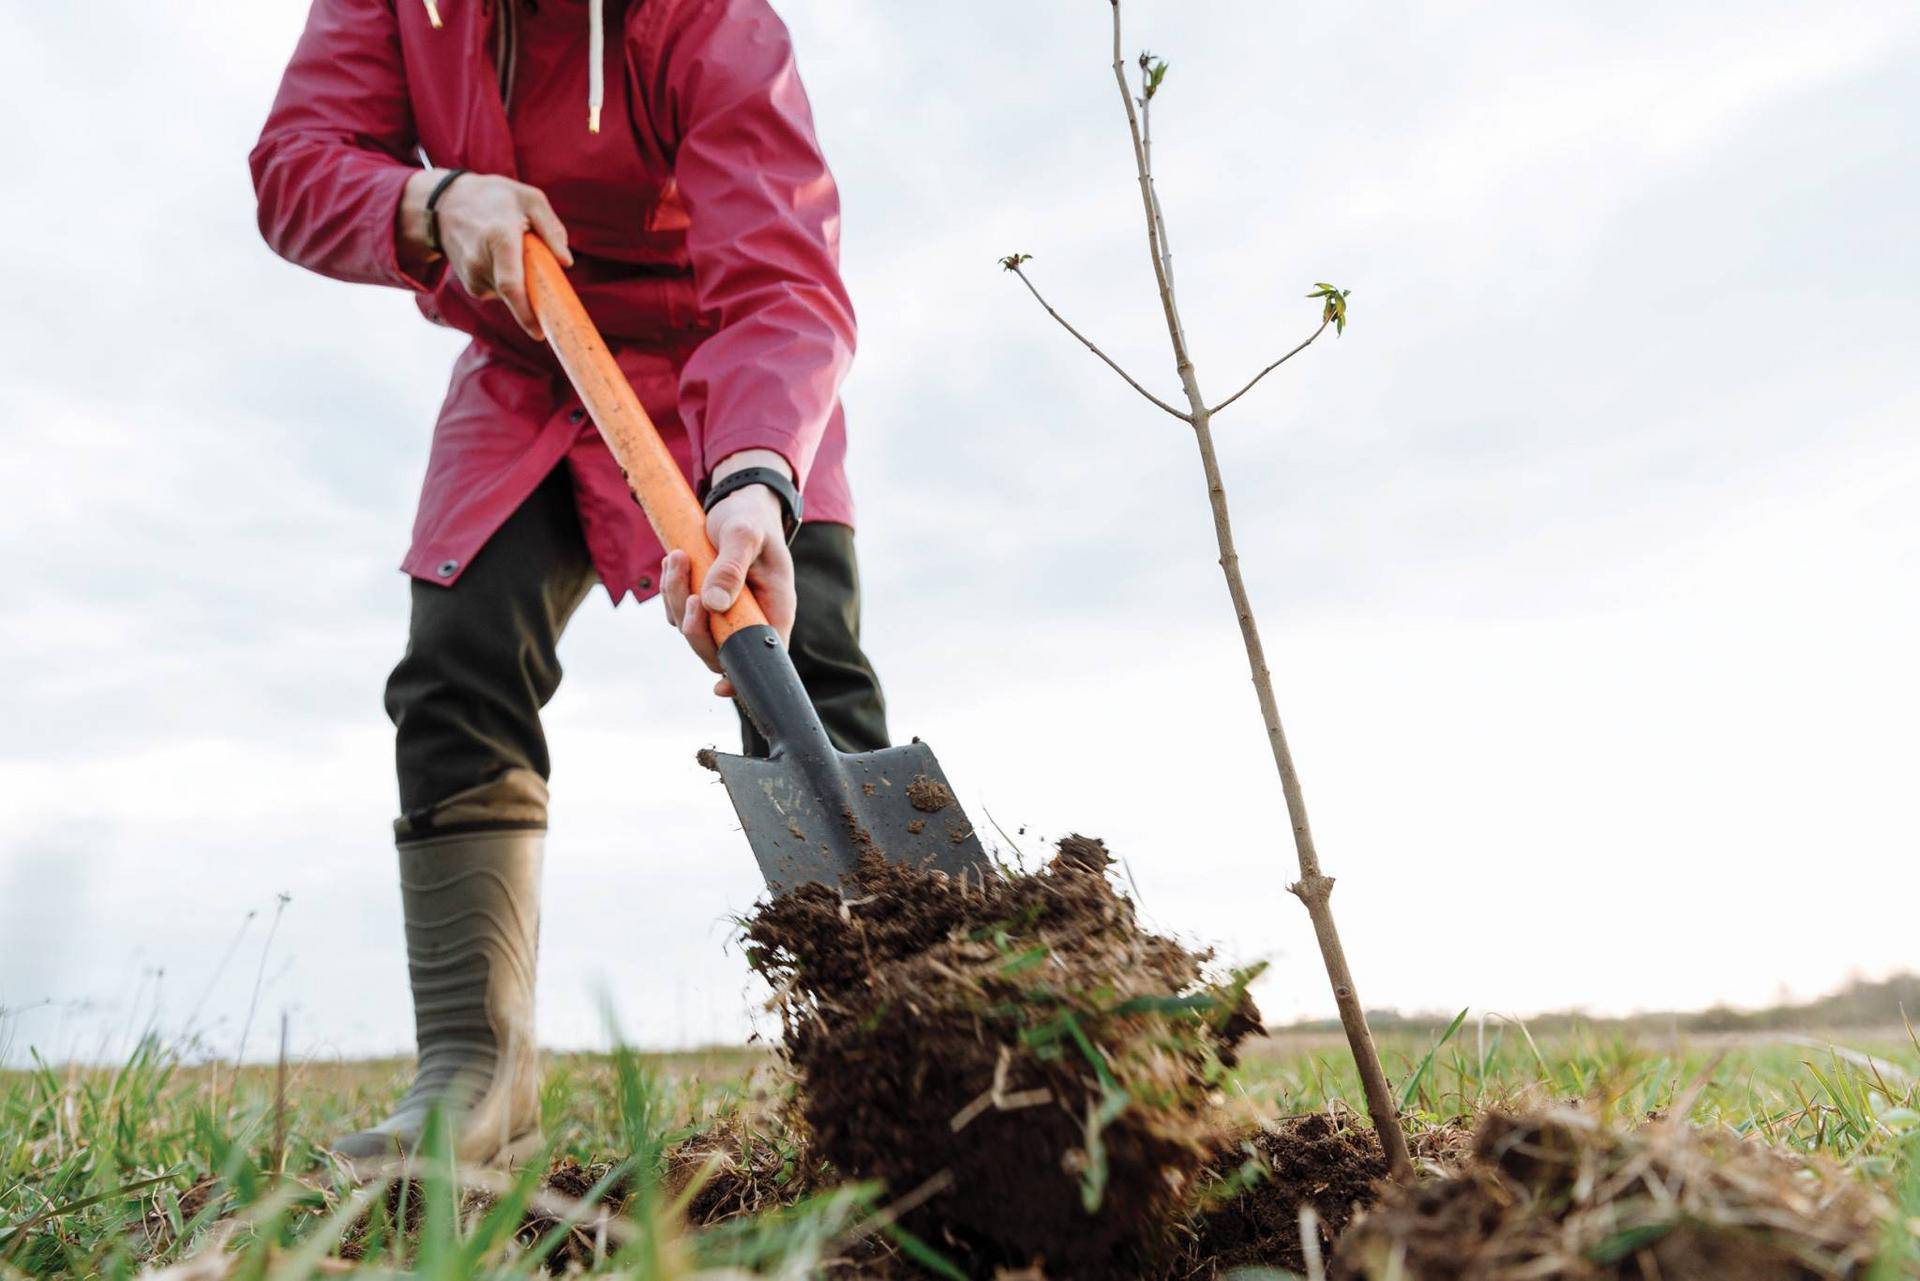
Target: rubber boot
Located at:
point(470, 886)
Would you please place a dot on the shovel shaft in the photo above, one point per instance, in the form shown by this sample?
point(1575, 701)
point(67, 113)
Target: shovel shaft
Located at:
point(651, 471)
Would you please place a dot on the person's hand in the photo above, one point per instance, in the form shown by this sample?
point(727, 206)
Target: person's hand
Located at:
point(751, 545)
point(482, 220)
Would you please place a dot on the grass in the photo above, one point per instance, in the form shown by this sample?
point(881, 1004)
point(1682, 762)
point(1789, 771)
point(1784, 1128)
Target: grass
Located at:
point(109, 1171)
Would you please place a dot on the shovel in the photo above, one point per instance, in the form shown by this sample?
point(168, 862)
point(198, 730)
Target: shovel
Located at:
point(810, 811)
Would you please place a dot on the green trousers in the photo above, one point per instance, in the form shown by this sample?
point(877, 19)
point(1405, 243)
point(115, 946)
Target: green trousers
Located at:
point(481, 655)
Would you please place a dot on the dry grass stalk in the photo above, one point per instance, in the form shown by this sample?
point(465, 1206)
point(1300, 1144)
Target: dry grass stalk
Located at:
point(1559, 1194)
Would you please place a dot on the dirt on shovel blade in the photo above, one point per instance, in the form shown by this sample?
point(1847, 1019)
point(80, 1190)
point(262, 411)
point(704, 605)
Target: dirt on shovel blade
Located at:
point(1014, 1048)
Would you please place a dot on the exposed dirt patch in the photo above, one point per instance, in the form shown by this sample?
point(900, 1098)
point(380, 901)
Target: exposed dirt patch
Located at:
point(157, 1224)
point(400, 1209)
point(1018, 1042)
point(746, 1162)
point(1248, 1214)
point(1253, 1218)
point(567, 1184)
point(1558, 1194)
point(564, 1191)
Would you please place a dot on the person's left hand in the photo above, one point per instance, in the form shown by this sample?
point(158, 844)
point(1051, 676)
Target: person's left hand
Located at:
point(751, 545)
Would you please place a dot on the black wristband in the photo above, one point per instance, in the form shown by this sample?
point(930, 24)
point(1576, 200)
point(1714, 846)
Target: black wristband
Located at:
point(433, 208)
point(772, 478)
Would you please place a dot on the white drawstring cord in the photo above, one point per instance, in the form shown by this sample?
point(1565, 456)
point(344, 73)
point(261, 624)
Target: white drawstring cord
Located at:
point(433, 13)
point(596, 55)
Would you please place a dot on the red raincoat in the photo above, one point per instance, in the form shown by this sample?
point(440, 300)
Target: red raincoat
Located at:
point(702, 218)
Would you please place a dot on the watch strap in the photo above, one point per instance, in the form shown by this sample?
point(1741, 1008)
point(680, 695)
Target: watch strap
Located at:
point(791, 505)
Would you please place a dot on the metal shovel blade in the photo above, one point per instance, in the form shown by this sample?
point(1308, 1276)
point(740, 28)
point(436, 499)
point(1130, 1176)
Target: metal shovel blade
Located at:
point(895, 801)
point(811, 811)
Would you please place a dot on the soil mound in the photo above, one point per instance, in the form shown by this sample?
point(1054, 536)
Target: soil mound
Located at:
point(1250, 1216)
point(1253, 1220)
point(401, 1209)
point(1016, 1044)
point(569, 1183)
point(1558, 1194)
point(746, 1162)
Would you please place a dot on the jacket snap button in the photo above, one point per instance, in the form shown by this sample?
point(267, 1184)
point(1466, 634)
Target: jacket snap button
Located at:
point(447, 567)
point(577, 417)
point(646, 584)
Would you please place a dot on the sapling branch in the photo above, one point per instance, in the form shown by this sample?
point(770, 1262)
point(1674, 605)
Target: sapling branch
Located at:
point(1314, 888)
point(1270, 368)
point(1012, 263)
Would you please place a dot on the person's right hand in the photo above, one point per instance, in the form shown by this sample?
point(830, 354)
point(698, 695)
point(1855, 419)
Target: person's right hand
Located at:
point(483, 217)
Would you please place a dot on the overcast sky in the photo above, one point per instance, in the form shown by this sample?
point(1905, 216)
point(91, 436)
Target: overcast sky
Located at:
point(1587, 558)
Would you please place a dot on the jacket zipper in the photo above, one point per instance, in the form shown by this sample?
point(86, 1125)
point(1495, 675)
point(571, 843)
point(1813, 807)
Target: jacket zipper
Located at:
point(506, 48)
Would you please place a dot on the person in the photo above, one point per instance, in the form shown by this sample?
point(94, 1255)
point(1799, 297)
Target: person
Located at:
point(665, 151)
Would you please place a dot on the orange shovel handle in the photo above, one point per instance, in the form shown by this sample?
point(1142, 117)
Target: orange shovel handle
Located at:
point(651, 471)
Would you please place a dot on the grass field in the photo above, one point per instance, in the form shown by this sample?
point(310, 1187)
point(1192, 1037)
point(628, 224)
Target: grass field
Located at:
point(109, 1171)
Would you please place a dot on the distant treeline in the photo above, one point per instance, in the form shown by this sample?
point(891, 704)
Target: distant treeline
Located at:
point(1862, 1003)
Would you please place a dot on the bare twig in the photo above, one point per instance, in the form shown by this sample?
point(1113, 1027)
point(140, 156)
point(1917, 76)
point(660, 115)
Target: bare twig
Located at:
point(1014, 267)
point(1270, 368)
point(1314, 888)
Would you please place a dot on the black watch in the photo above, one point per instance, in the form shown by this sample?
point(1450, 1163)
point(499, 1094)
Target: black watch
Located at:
point(772, 478)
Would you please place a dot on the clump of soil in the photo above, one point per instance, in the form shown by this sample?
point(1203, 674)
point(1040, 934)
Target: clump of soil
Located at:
point(1015, 1045)
point(1558, 1194)
point(568, 1182)
point(1249, 1214)
point(1254, 1220)
point(399, 1210)
point(745, 1162)
point(928, 795)
point(563, 1190)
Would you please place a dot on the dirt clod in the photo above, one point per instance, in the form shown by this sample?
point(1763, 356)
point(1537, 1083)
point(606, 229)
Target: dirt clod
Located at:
point(1019, 1035)
point(569, 1182)
point(746, 1161)
point(928, 795)
point(1248, 1210)
point(1270, 1173)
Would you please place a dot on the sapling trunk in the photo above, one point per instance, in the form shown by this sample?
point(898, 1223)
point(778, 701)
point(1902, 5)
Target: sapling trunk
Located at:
point(1315, 887)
